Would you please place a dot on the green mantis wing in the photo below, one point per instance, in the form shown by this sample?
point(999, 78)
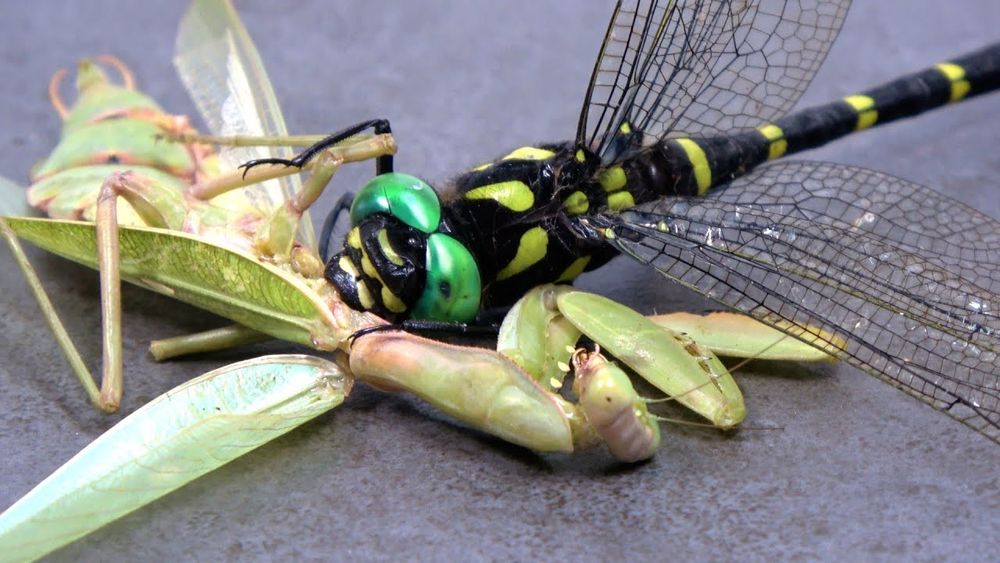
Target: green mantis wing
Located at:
point(222, 280)
point(223, 73)
point(179, 436)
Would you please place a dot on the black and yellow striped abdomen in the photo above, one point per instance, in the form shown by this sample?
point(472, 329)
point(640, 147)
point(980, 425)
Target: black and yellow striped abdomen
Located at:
point(696, 165)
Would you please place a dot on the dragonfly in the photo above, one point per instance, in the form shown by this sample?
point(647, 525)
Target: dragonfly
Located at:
point(687, 101)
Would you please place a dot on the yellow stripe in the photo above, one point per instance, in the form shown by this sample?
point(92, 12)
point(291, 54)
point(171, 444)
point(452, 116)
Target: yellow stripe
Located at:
point(612, 179)
point(576, 203)
point(529, 153)
point(513, 195)
point(699, 163)
point(392, 302)
point(864, 105)
point(354, 238)
point(574, 269)
point(956, 75)
point(364, 296)
point(482, 167)
point(530, 250)
point(778, 145)
point(387, 249)
point(389, 299)
point(367, 267)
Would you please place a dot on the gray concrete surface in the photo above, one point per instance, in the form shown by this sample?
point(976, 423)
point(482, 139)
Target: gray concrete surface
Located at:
point(856, 469)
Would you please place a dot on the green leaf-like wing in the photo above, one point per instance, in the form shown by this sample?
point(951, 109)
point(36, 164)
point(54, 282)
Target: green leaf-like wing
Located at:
point(176, 438)
point(219, 279)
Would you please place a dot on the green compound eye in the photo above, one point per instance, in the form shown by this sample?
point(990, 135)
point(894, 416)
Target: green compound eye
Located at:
point(405, 197)
point(453, 286)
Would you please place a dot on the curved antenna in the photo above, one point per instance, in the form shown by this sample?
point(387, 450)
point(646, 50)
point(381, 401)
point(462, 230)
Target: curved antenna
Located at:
point(54, 98)
point(128, 80)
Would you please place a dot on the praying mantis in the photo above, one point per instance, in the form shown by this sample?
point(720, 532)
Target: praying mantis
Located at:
point(358, 446)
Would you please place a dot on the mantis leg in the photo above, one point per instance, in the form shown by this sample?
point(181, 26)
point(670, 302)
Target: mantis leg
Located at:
point(109, 266)
point(476, 386)
point(209, 341)
point(51, 317)
point(741, 336)
point(278, 236)
point(189, 138)
point(147, 198)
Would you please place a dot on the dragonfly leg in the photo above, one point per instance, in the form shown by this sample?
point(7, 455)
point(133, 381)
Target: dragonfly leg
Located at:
point(329, 224)
point(277, 240)
point(209, 341)
point(383, 164)
point(376, 147)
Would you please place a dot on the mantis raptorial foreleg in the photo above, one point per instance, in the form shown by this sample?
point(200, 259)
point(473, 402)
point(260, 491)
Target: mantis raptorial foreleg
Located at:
point(516, 393)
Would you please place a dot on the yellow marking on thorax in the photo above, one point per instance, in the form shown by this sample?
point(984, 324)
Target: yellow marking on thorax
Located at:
point(956, 75)
point(523, 153)
point(354, 238)
point(620, 201)
point(392, 302)
point(576, 203)
point(574, 269)
point(699, 164)
point(368, 268)
point(530, 250)
point(529, 153)
point(865, 106)
point(513, 194)
point(387, 249)
point(613, 179)
point(364, 296)
point(777, 144)
point(625, 128)
point(389, 299)
point(580, 156)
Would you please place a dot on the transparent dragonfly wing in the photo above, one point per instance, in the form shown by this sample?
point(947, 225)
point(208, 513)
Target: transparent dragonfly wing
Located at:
point(675, 68)
point(224, 75)
point(907, 278)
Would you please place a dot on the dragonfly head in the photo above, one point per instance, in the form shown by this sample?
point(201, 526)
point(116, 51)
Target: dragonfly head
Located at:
point(397, 262)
